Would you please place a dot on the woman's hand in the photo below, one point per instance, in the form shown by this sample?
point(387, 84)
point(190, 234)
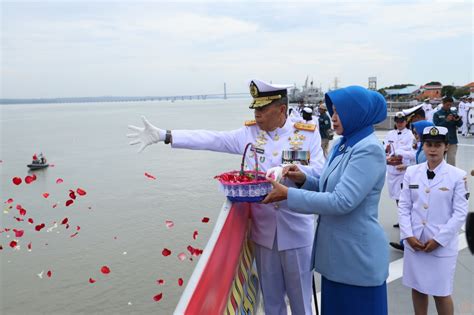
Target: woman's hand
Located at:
point(431, 245)
point(401, 167)
point(415, 244)
point(278, 193)
point(293, 173)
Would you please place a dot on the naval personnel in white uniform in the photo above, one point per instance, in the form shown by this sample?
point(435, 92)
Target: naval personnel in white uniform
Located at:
point(428, 110)
point(283, 239)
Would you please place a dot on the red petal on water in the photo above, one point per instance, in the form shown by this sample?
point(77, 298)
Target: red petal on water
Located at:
point(166, 252)
point(18, 219)
point(59, 181)
point(195, 234)
point(158, 297)
point(49, 273)
point(22, 211)
point(64, 221)
point(160, 281)
point(67, 226)
point(16, 180)
point(180, 282)
point(9, 200)
point(34, 176)
point(91, 280)
point(29, 179)
point(13, 244)
point(81, 192)
point(69, 202)
point(39, 227)
point(55, 205)
point(30, 220)
point(74, 235)
point(6, 229)
point(18, 233)
point(169, 224)
point(181, 256)
point(105, 270)
point(46, 195)
point(78, 228)
point(150, 176)
point(205, 220)
point(72, 194)
point(29, 246)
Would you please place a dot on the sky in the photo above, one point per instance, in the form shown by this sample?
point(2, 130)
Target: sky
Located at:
point(157, 48)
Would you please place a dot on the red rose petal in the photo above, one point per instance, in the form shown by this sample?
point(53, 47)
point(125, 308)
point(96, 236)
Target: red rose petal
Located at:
point(64, 221)
point(34, 176)
point(9, 200)
point(166, 252)
point(18, 233)
point(69, 202)
point(78, 228)
point(169, 224)
point(205, 220)
point(30, 220)
point(74, 235)
point(16, 180)
point(39, 227)
point(80, 192)
point(72, 194)
point(49, 273)
point(158, 297)
point(91, 280)
point(21, 210)
point(13, 244)
point(160, 281)
point(150, 176)
point(180, 282)
point(105, 270)
point(29, 246)
point(195, 234)
point(55, 205)
point(181, 256)
point(46, 195)
point(29, 179)
point(59, 181)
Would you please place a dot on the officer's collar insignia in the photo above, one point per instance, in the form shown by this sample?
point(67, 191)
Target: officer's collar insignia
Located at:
point(434, 131)
point(253, 90)
point(342, 147)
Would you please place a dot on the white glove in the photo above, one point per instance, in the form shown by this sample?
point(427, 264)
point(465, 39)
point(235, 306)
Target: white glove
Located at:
point(145, 136)
point(275, 173)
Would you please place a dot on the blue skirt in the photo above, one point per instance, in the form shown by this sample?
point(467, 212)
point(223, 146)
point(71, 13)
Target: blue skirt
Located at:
point(340, 299)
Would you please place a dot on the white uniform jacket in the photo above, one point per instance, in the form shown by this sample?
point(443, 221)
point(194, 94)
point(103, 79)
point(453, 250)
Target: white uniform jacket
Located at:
point(402, 143)
point(428, 111)
point(433, 209)
point(293, 230)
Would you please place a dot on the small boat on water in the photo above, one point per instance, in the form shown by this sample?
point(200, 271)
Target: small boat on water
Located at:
point(38, 162)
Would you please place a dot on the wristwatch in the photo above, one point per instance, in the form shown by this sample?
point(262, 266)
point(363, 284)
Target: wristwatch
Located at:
point(168, 137)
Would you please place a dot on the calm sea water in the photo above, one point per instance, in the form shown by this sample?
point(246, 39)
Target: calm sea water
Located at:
point(123, 211)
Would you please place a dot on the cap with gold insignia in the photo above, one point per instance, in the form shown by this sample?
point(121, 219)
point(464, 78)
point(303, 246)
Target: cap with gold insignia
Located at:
point(264, 93)
point(399, 116)
point(435, 133)
point(410, 112)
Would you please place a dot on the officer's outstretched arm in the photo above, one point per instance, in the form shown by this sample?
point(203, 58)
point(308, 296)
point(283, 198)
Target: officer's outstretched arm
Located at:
point(145, 136)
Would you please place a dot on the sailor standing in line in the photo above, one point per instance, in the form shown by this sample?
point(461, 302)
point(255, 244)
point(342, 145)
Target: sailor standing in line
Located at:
point(283, 239)
point(432, 209)
point(428, 110)
point(462, 111)
point(399, 149)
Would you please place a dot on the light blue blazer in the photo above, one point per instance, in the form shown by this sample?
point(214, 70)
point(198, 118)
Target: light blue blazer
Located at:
point(350, 246)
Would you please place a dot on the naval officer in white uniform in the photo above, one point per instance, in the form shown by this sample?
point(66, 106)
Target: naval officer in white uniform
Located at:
point(432, 209)
point(283, 239)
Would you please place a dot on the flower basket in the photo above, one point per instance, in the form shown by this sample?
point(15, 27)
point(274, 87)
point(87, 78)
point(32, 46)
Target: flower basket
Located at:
point(245, 186)
point(394, 159)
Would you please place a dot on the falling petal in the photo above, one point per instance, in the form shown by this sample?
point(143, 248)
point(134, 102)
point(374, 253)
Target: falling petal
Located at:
point(39, 227)
point(181, 256)
point(45, 195)
point(30, 220)
point(205, 220)
point(80, 192)
point(195, 234)
point(169, 224)
point(150, 176)
point(16, 180)
point(180, 282)
point(160, 281)
point(78, 228)
point(69, 202)
point(105, 270)
point(64, 221)
point(91, 280)
point(158, 297)
point(59, 181)
point(49, 273)
point(72, 194)
point(18, 233)
point(166, 252)
point(13, 244)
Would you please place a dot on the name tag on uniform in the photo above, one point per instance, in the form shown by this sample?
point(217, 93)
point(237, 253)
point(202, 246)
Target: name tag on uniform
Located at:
point(258, 150)
point(413, 186)
point(444, 188)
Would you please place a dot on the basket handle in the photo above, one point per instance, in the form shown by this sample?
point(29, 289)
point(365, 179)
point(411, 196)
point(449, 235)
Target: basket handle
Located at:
point(243, 160)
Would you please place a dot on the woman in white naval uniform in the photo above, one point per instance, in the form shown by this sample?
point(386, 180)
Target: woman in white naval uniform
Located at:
point(432, 209)
point(398, 142)
point(283, 239)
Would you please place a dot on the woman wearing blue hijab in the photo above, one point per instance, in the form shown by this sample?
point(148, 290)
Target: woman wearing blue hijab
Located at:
point(350, 248)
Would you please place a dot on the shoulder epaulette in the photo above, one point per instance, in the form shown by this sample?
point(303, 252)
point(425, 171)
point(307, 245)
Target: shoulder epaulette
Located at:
point(250, 122)
point(303, 126)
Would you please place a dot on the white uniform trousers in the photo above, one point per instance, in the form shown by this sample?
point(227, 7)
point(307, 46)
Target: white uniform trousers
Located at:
point(285, 271)
point(394, 185)
point(464, 123)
